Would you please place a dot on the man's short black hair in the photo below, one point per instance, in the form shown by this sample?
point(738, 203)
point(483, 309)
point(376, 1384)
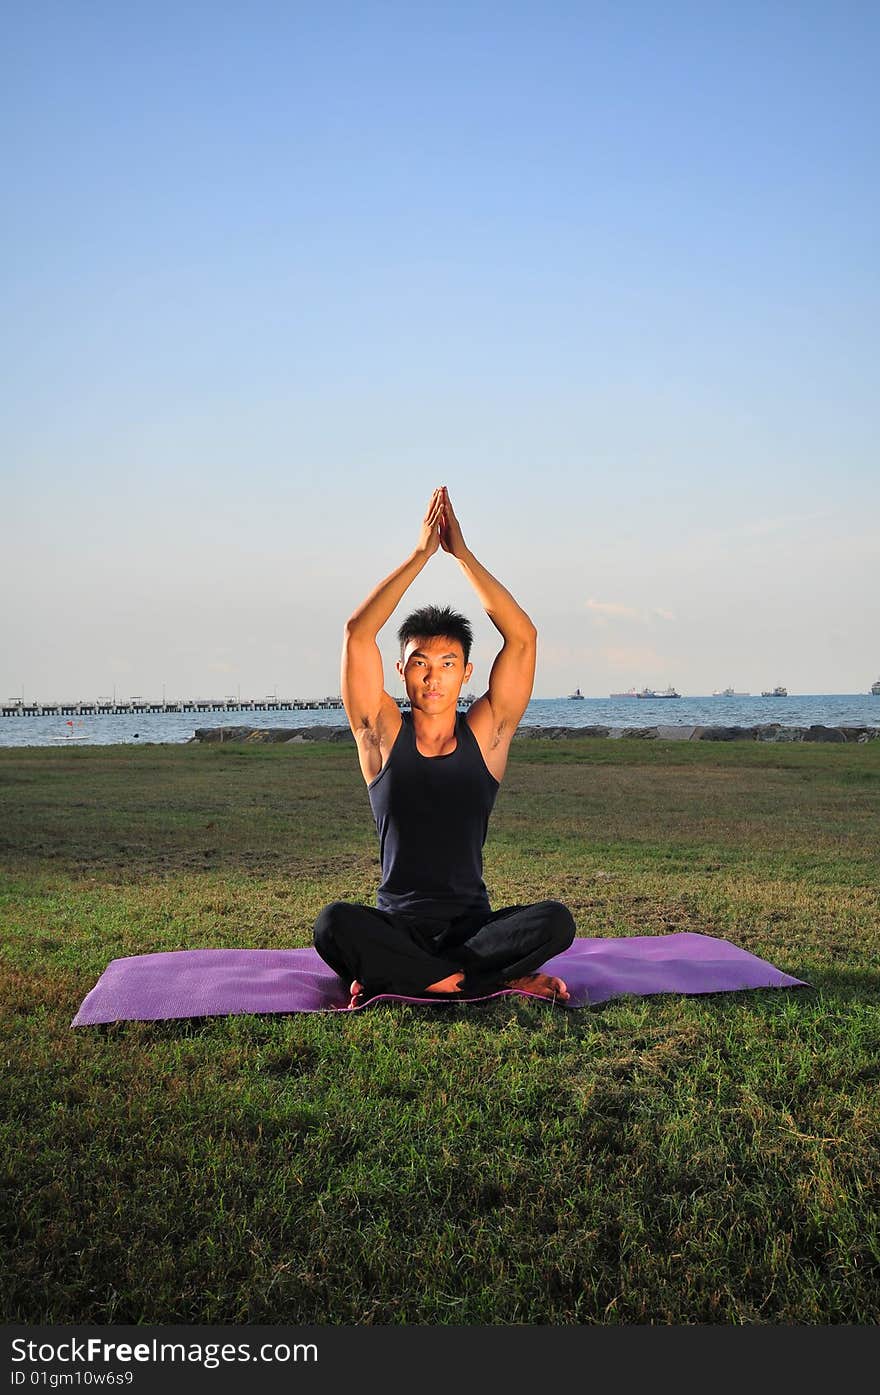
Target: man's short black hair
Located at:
point(434, 621)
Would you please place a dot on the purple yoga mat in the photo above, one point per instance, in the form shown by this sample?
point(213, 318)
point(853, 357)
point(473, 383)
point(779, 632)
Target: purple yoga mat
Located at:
point(209, 982)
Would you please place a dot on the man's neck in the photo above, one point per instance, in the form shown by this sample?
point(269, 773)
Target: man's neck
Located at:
point(434, 731)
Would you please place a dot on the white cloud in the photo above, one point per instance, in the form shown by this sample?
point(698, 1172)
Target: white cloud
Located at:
point(634, 660)
point(603, 612)
point(612, 608)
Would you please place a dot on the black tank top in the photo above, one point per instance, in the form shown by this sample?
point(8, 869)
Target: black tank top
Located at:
point(432, 813)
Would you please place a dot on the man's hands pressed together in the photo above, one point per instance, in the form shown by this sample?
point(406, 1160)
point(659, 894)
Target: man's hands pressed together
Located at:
point(451, 539)
point(441, 528)
point(430, 538)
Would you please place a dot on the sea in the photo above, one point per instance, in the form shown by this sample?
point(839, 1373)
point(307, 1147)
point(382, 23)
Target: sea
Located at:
point(176, 728)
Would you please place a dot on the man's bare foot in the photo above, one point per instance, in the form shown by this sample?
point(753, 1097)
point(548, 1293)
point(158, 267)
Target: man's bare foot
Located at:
point(452, 984)
point(543, 985)
point(356, 990)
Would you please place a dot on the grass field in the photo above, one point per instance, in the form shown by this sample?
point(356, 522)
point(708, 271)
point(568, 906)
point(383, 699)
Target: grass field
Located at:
point(663, 1160)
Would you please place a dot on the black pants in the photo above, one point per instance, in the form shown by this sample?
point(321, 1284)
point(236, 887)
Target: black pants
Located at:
point(395, 953)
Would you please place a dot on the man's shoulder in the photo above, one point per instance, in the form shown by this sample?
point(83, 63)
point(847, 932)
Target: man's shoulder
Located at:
point(482, 718)
point(493, 734)
point(375, 738)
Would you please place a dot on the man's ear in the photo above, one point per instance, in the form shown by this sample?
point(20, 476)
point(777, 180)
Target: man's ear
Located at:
point(468, 670)
point(399, 667)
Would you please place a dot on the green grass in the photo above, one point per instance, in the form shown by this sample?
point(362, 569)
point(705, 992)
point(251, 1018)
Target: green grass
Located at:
point(666, 1160)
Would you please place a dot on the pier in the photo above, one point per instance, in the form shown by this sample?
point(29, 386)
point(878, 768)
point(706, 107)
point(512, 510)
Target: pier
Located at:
point(107, 707)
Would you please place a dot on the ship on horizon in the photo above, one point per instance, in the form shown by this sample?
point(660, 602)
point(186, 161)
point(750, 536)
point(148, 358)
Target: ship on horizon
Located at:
point(630, 692)
point(650, 693)
point(729, 692)
point(775, 692)
point(576, 696)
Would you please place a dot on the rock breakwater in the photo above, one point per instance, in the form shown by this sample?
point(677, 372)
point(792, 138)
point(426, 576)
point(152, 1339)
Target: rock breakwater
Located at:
point(768, 731)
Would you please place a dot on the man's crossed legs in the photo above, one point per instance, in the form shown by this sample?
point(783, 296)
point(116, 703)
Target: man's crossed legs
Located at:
point(384, 952)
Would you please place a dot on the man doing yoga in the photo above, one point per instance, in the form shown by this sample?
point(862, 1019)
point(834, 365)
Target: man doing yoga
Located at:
point(432, 776)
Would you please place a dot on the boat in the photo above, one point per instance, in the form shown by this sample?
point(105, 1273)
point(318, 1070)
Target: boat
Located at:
point(728, 692)
point(630, 692)
point(875, 688)
point(576, 696)
point(70, 734)
point(775, 692)
point(650, 693)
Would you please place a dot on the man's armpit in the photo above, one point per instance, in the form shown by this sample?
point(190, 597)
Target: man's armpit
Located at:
point(499, 734)
point(366, 732)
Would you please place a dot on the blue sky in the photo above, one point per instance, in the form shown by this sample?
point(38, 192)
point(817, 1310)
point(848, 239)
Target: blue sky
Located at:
point(271, 272)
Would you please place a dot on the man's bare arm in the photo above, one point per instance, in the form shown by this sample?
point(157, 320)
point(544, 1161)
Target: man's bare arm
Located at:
point(513, 672)
point(363, 681)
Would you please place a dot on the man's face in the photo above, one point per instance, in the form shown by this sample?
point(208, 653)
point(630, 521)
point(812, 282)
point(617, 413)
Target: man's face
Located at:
point(433, 671)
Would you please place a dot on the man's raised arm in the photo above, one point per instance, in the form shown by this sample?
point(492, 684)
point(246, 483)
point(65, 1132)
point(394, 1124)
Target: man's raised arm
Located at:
point(513, 672)
point(363, 681)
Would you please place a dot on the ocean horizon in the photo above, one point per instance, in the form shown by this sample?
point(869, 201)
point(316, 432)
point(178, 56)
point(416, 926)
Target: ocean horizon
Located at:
point(176, 728)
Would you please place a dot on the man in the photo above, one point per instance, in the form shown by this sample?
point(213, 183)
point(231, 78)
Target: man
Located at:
point(432, 777)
